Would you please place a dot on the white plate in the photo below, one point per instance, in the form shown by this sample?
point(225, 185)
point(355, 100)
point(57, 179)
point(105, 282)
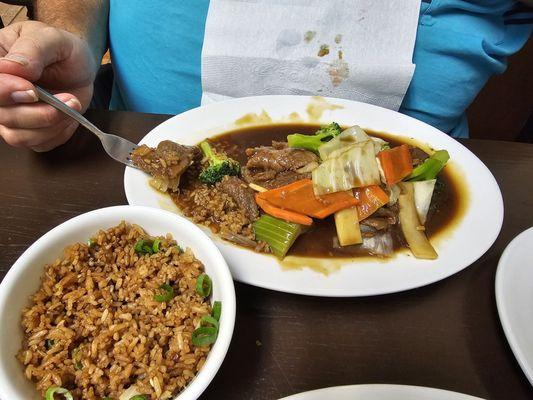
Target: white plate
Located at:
point(380, 392)
point(514, 298)
point(363, 277)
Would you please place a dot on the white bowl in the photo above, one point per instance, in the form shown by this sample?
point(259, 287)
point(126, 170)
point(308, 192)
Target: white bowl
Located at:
point(23, 280)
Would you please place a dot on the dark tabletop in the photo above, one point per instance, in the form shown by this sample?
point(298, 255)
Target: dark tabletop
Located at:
point(446, 335)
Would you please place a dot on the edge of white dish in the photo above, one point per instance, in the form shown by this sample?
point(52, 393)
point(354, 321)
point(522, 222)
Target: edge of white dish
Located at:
point(503, 312)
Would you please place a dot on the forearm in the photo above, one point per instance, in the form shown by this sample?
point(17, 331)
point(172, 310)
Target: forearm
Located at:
point(87, 19)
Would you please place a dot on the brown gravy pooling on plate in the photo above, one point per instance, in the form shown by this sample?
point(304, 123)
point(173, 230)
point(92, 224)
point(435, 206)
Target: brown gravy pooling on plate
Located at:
point(319, 240)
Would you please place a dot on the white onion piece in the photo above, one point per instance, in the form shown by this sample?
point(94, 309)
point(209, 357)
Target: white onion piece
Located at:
point(423, 191)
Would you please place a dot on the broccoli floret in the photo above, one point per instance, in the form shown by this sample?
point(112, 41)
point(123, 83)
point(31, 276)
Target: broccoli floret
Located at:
point(313, 142)
point(219, 165)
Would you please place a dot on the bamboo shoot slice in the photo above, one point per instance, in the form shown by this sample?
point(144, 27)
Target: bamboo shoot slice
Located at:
point(411, 227)
point(347, 224)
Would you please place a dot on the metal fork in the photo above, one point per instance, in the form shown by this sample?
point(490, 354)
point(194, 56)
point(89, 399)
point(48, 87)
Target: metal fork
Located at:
point(118, 148)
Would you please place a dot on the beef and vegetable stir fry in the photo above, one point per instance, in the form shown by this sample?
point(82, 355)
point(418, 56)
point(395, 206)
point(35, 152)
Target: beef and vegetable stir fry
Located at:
point(328, 192)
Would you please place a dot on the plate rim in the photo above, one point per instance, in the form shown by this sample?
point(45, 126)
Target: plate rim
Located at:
point(503, 265)
point(341, 292)
point(381, 386)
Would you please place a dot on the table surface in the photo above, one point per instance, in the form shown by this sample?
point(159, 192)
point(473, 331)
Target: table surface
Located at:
point(446, 335)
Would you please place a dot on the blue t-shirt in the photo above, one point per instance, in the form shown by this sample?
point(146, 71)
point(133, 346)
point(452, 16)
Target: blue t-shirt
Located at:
point(156, 50)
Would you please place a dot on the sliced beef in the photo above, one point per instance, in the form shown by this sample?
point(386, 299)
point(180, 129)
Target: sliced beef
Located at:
point(378, 224)
point(417, 155)
point(271, 180)
point(388, 212)
point(277, 165)
point(279, 159)
point(241, 193)
point(279, 145)
point(166, 163)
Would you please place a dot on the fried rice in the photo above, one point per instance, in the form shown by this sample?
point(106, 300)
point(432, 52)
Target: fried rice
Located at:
point(94, 327)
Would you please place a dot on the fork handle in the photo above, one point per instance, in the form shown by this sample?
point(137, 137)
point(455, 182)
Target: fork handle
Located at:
point(56, 103)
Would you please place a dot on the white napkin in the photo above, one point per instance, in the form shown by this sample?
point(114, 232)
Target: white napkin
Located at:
point(257, 47)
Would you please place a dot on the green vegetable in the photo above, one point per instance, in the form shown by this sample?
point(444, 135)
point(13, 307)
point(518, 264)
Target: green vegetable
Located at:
point(204, 335)
point(208, 331)
point(167, 295)
point(350, 167)
point(217, 310)
point(180, 250)
point(204, 285)
point(220, 165)
point(53, 390)
point(279, 234)
point(48, 343)
point(76, 358)
point(431, 167)
point(91, 243)
point(208, 320)
point(147, 246)
point(139, 397)
point(313, 142)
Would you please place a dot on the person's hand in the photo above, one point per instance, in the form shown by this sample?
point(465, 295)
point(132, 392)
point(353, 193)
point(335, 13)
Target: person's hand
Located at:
point(54, 59)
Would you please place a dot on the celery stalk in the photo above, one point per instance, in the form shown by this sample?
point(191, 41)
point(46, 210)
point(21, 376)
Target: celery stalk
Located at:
point(279, 234)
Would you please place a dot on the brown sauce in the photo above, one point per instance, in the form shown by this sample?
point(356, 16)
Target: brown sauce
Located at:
point(318, 241)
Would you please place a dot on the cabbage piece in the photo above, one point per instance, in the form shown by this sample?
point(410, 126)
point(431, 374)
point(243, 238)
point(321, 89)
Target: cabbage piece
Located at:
point(423, 192)
point(348, 168)
point(354, 134)
point(380, 244)
point(394, 194)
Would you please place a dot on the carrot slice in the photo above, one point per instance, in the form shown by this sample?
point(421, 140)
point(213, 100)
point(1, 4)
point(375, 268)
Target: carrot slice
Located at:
point(286, 215)
point(299, 197)
point(396, 163)
point(371, 198)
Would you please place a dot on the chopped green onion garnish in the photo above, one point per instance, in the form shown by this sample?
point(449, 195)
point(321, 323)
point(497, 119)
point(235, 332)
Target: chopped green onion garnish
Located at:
point(208, 320)
point(139, 397)
point(179, 248)
point(51, 391)
point(167, 295)
point(139, 247)
point(76, 358)
point(147, 246)
point(204, 335)
point(48, 343)
point(217, 310)
point(204, 285)
point(91, 243)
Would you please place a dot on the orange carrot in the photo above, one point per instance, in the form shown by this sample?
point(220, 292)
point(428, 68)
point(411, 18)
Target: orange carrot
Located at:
point(300, 197)
point(277, 212)
point(371, 198)
point(396, 163)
